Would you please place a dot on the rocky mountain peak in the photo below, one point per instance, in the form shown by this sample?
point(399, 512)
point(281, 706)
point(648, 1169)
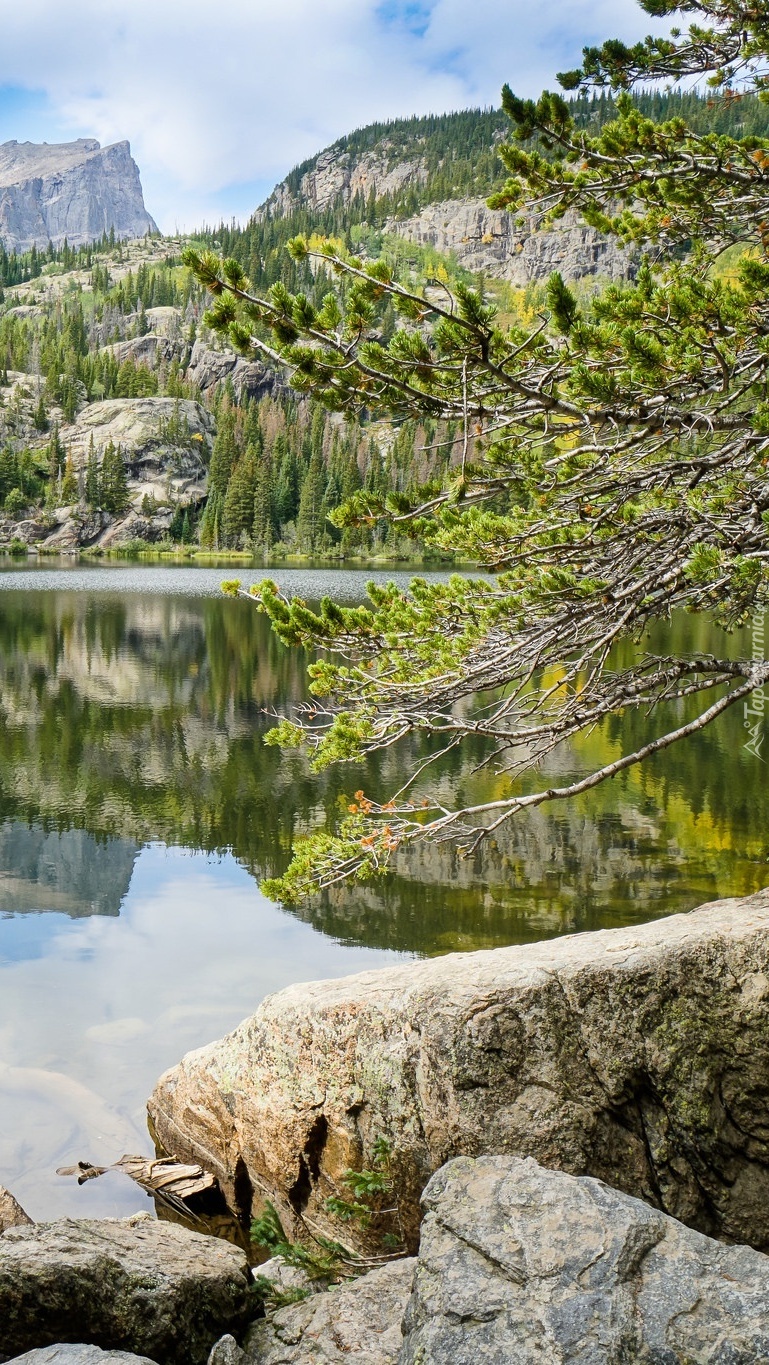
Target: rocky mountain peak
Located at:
point(74, 190)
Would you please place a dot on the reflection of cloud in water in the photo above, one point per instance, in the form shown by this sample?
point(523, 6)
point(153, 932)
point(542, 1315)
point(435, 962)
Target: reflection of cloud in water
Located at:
point(102, 1006)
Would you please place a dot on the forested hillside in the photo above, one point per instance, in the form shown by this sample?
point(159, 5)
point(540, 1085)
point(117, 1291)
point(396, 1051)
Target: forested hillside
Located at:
point(443, 157)
point(86, 328)
point(83, 329)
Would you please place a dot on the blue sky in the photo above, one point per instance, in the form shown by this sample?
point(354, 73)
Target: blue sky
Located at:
point(218, 102)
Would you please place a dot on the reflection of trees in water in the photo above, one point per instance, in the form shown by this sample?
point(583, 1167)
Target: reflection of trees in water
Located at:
point(142, 717)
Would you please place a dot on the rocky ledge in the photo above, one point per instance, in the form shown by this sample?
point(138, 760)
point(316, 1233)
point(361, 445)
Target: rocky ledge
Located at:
point(637, 1056)
point(520, 250)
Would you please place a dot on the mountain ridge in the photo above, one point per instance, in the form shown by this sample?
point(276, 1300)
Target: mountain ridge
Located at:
point(427, 179)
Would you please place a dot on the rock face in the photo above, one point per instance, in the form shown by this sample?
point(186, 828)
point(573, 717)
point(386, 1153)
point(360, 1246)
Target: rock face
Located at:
point(482, 239)
point(12, 1214)
point(496, 242)
point(76, 190)
point(166, 443)
point(335, 177)
point(521, 1264)
point(359, 1322)
point(640, 1056)
point(147, 1287)
point(250, 379)
point(79, 1355)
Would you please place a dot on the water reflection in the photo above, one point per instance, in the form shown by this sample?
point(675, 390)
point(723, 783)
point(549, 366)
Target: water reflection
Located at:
point(133, 779)
point(93, 1010)
point(139, 717)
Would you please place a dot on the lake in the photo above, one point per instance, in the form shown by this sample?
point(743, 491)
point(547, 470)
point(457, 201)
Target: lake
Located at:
point(139, 810)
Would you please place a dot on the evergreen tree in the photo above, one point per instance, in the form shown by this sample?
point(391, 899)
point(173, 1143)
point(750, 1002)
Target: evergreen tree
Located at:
point(69, 488)
point(286, 480)
point(56, 458)
point(92, 481)
point(263, 527)
point(40, 416)
point(114, 480)
point(311, 517)
point(613, 456)
point(238, 508)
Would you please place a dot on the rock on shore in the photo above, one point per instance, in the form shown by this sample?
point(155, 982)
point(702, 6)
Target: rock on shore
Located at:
point(521, 1264)
point(639, 1056)
point(140, 1286)
point(532, 1266)
point(358, 1323)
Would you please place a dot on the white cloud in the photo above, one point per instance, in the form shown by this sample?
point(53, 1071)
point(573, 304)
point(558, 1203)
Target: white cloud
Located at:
point(219, 101)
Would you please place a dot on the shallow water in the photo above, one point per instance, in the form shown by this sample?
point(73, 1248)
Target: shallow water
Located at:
point(139, 808)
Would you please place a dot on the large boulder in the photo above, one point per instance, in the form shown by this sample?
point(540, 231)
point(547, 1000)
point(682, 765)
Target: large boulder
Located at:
point(639, 1056)
point(522, 1264)
point(142, 1286)
point(12, 1214)
point(162, 438)
point(358, 1322)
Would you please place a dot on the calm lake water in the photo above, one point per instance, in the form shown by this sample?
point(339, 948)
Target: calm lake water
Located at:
point(139, 809)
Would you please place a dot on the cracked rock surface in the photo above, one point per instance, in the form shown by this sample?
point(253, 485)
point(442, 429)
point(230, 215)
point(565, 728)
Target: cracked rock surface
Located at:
point(639, 1056)
point(522, 1264)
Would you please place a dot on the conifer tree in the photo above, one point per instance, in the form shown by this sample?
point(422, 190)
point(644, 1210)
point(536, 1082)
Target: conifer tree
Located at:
point(311, 517)
point(238, 508)
point(114, 480)
point(613, 456)
point(40, 417)
point(286, 480)
point(92, 481)
point(56, 458)
point(223, 458)
point(263, 525)
point(69, 487)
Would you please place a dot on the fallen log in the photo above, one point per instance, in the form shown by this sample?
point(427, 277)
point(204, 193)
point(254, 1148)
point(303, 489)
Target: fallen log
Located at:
point(164, 1178)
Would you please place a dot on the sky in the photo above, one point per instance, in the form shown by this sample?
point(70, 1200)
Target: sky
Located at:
point(220, 100)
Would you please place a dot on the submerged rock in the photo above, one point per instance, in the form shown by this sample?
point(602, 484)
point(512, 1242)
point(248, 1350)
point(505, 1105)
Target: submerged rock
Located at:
point(358, 1322)
point(12, 1214)
point(146, 1287)
point(521, 1264)
point(639, 1056)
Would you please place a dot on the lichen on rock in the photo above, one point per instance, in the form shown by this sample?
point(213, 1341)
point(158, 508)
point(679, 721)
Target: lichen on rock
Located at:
point(639, 1056)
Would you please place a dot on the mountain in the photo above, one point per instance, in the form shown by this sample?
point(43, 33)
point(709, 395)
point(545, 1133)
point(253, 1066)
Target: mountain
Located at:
point(426, 180)
point(74, 190)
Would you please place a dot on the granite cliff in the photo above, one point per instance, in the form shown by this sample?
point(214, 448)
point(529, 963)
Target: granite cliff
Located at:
point(73, 190)
point(423, 191)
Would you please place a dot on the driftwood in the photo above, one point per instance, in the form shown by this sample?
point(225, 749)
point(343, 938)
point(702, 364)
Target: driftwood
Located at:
point(165, 1178)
